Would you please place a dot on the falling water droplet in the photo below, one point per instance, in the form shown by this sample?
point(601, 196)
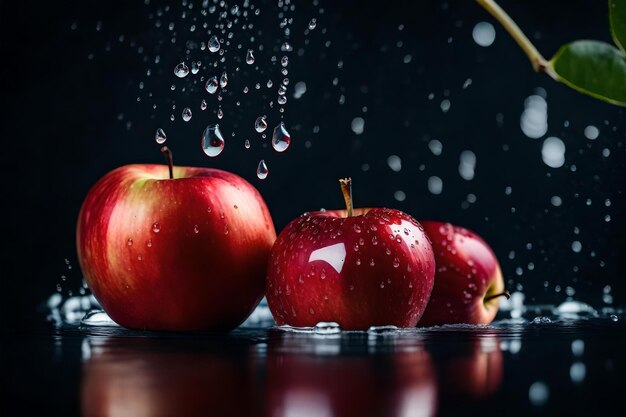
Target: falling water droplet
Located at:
point(249, 57)
point(212, 141)
point(214, 44)
point(211, 85)
point(312, 24)
point(195, 67)
point(282, 100)
point(281, 138)
point(269, 83)
point(160, 137)
point(247, 144)
point(203, 105)
point(220, 113)
point(284, 61)
point(223, 79)
point(260, 124)
point(262, 170)
point(186, 114)
point(181, 70)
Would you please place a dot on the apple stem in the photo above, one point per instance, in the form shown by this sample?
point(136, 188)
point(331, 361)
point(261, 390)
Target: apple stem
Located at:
point(346, 190)
point(500, 294)
point(170, 160)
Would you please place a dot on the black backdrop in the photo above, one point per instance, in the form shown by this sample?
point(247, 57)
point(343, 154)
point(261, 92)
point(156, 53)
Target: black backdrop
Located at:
point(70, 113)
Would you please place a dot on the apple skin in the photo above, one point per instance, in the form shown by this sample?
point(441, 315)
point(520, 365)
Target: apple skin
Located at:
point(374, 268)
point(467, 272)
point(182, 254)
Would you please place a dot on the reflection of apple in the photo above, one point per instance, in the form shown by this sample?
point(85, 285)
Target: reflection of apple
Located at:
point(139, 377)
point(187, 253)
point(468, 279)
point(358, 268)
point(475, 374)
point(400, 384)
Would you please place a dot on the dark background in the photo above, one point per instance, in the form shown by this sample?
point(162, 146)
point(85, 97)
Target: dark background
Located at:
point(70, 113)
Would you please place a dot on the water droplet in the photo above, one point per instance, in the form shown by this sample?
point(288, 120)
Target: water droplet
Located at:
point(281, 100)
point(160, 137)
point(284, 61)
point(246, 144)
point(269, 83)
point(396, 263)
point(212, 141)
point(249, 57)
point(181, 70)
point(327, 327)
point(260, 124)
point(262, 170)
point(149, 243)
point(195, 67)
point(196, 229)
point(129, 242)
point(614, 317)
point(211, 85)
point(281, 138)
point(186, 114)
point(203, 105)
point(220, 113)
point(156, 227)
point(223, 79)
point(214, 44)
point(312, 24)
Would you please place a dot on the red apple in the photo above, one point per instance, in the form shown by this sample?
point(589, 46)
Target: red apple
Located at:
point(468, 281)
point(183, 254)
point(358, 268)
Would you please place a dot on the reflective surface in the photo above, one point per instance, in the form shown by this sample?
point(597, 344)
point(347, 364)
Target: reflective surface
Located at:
point(515, 366)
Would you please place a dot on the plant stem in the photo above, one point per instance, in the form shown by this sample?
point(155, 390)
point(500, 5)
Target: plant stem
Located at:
point(500, 294)
point(170, 160)
point(346, 190)
point(539, 63)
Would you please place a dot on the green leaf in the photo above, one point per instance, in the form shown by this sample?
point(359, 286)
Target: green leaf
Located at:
point(594, 68)
point(617, 17)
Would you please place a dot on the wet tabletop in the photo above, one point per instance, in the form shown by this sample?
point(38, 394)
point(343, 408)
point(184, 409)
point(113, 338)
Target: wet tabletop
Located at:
point(514, 367)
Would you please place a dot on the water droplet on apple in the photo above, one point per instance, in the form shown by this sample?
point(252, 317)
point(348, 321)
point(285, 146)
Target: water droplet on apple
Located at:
point(311, 311)
point(357, 228)
point(186, 114)
point(160, 137)
point(226, 229)
point(149, 243)
point(181, 70)
point(129, 242)
point(196, 229)
point(212, 141)
point(249, 57)
point(262, 171)
point(211, 85)
point(260, 124)
point(156, 227)
point(396, 263)
point(372, 263)
point(214, 44)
